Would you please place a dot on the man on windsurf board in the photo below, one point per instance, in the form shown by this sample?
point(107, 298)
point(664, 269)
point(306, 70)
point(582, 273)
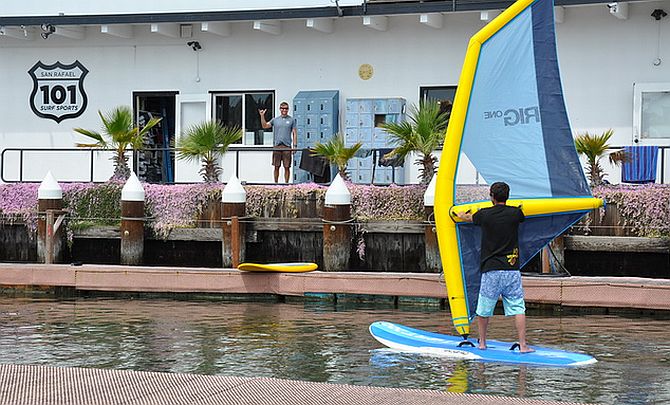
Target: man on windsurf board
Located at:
point(499, 263)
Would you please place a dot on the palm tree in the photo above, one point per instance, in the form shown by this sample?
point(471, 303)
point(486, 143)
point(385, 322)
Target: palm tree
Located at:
point(423, 132)
point(594, 147)
point(118, 133)
point(337, 153)
point(208, 142)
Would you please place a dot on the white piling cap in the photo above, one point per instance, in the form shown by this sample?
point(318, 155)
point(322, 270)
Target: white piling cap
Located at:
point(233, 192)
point(338, 193)
point(49, 189)
point(133, 190)
point(429, 195)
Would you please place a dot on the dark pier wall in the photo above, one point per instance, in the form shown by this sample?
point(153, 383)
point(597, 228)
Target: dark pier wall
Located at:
point(370, 251)
point(17, 243)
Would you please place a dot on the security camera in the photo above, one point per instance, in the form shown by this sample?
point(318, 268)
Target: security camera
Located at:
point(195, 45)
point(48, 28)
point(614, 7)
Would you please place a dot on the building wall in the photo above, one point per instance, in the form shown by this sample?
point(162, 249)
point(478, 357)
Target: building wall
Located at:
point(600, 57)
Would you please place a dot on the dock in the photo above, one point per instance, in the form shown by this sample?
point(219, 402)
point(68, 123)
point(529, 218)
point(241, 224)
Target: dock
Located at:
point(599, 292)
point(28, 385)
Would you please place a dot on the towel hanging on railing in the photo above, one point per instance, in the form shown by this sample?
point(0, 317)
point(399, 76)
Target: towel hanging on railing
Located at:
point(640, 164)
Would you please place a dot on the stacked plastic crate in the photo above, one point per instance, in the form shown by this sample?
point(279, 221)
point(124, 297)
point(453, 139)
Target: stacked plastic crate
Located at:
point(363, 117)
point(316, 115)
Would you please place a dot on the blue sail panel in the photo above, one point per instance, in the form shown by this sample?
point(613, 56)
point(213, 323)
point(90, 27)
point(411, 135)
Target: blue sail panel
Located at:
point(502, 136)
point(516, 129)
point(565, 170)
point(534, 234)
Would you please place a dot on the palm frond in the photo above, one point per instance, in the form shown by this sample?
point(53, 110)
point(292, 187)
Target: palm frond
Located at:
point(336, 152)
point(118, 133)
point(593, 147)
point(206, 142)
point(423, 133)
point(92, 134)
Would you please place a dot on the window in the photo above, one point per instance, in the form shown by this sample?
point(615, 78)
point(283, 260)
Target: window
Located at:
point(241, 109)
point(443, 94)
point(651, 115)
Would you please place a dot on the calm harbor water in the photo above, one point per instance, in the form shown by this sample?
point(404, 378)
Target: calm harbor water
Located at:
point(321, 341)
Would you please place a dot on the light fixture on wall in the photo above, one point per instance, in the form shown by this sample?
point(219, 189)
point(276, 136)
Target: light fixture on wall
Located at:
point(658, 14)
point(339, 9)
point(195, 45)
point(47, 30)
point(619, 10)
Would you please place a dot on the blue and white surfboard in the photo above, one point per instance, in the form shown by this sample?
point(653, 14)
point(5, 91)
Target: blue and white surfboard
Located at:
point(402, 338)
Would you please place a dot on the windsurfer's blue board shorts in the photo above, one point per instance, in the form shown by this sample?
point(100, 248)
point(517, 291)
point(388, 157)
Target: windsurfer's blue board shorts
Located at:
point(501, 282)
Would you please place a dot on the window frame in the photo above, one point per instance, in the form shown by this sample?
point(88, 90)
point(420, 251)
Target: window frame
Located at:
point(423, 91)
point(243, 94)
point(638, 90)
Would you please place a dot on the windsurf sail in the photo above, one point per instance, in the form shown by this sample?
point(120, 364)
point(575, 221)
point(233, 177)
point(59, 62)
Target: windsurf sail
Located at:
point(509, 119)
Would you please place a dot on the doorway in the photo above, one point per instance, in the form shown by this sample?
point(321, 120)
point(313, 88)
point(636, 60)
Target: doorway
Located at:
point(155, 162)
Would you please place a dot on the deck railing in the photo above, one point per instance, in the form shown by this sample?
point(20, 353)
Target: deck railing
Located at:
point(17, 159)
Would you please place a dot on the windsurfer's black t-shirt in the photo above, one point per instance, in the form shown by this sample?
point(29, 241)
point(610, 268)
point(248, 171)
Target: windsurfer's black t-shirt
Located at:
point(500, 237)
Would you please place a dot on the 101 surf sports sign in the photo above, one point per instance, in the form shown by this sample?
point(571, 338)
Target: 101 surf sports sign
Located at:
point(58, 90)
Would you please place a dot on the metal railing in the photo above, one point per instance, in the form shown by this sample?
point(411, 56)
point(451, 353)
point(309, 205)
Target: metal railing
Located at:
point(376, 152)
point(23, 160)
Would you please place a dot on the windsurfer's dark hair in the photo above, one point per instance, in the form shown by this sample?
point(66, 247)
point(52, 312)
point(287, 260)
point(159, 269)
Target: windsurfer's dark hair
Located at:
point(500, 191)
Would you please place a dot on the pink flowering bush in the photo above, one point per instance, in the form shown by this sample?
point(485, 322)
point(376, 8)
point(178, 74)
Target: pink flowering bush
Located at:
point(645, 209)
point(92, 204)
point(177, 206)
point(281, 201)
point(18, 203)
point(373, 203)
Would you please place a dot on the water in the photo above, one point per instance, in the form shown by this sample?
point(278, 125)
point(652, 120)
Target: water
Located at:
point(330, 343)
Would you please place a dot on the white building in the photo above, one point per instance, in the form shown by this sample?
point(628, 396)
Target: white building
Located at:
point(192, 61)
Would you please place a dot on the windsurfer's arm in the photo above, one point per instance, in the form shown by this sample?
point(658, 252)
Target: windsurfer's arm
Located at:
point(464, 216)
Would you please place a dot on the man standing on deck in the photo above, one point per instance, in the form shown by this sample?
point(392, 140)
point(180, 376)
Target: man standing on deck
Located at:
point(283, 128)
point(500, 263)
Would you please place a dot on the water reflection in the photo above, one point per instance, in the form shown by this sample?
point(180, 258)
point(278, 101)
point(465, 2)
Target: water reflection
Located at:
point(322, 342)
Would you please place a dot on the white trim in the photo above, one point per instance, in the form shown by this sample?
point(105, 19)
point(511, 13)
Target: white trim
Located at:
point(638, 90)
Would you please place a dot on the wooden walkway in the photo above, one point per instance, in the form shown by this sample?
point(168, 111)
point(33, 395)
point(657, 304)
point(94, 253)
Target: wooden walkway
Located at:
point(27, 385)
point(606, 292)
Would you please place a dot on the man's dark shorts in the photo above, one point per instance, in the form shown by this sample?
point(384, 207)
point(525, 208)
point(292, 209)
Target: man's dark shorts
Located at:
point(280, 157)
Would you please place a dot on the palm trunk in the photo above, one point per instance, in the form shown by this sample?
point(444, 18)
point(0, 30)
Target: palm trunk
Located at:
point(121, 168)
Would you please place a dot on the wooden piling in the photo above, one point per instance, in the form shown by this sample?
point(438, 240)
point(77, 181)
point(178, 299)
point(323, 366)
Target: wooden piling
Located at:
point(132, 232)
point(50, 241)
point(337, 234)
point(433, 261)
point(553, 256)
point(233, 234)
point(50, 238)
point(132, 222)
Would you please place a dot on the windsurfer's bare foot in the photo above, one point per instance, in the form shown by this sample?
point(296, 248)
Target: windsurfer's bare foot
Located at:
point(525, 349)
point(481, 344)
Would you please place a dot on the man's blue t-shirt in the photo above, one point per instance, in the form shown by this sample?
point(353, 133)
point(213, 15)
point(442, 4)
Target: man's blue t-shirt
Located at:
point(282, 127)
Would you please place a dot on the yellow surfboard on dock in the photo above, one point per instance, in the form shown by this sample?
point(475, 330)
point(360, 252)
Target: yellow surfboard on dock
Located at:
point(297, 267)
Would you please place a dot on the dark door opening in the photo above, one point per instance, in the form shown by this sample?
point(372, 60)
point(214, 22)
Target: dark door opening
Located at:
point(155, 163)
